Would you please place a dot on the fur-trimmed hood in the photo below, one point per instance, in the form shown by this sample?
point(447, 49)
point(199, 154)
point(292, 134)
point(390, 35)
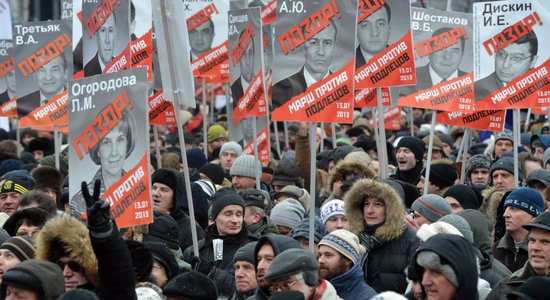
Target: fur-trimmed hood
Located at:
point(393, 227)
point(75, 240)
point(349, 167)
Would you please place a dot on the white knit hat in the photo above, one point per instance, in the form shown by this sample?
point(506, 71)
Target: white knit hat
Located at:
point(332, 208)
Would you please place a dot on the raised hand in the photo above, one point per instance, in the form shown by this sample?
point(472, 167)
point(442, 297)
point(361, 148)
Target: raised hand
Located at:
point(98, 211)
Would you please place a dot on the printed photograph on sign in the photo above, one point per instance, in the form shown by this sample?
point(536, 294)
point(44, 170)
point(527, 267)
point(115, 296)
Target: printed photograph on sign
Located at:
point(443, 58)
point(207, 26)
point(105, 36)
point(76, 17)
point(384, 55)
point(314, 50)
point(245, 64)
point(268, 9)
point(7, 72)
point(108, 137)
point(511, 57)
point(141, 32)
point(43, 65)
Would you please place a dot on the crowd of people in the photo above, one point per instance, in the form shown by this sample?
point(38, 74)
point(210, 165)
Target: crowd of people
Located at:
point(374, 238)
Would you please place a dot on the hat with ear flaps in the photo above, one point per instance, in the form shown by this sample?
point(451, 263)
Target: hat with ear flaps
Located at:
point(66, 236)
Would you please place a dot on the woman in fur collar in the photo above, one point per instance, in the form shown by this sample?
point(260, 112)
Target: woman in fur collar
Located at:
point(376, 215)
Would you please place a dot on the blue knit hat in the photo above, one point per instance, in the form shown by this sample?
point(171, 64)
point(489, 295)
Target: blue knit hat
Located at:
point(302, 230)
point(527, 199)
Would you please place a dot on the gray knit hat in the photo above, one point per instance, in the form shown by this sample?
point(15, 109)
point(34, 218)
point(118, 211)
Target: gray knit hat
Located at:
point(505, 135)
point(429, 259)
point(247, 166)
point(288, 213)
point(460, 224)
point(432, 207)
point(232, 146)
point(506, 164)
point(294, 261)
point(476, 161)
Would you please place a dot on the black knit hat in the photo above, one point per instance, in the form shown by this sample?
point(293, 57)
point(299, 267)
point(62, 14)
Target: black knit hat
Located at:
point(464, 195)
point(166, 177)
point(142, 259)
point(245, 253)
point(164, 256)
point(20, 246)
point(191, 285)
point(414, 144)
point(442, 175)
point(533, 288)
point(223, 198)
point(164, 229)
point(214, 172)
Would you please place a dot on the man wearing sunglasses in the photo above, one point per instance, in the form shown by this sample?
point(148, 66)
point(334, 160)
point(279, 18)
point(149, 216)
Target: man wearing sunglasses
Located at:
point(511, 62)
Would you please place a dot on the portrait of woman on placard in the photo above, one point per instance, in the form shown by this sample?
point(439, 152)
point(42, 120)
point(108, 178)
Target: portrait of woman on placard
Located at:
point(110, 154)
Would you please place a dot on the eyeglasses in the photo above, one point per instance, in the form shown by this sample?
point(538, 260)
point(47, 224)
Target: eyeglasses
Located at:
point(73, 265)
point(282, 286)
point(514, 58)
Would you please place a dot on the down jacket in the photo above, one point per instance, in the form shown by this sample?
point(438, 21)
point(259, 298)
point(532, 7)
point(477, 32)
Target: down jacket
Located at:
point(390, 245)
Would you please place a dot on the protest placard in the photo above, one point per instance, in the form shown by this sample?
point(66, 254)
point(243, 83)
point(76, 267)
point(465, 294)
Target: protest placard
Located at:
point(314, 51)
point(161, 112)
point(443, 58)
point(7, 80)
point(43, 65)
point(368, 97)
point(492, 120)
point(263, 146)
point(109, 139)
point(141, 36)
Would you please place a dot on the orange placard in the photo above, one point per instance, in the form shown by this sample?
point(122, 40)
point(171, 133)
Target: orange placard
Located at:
point(263, 149)
point(121, 62)
point(9, 109)
point(492, 120)
point(532, 89)
point(130, 197)
point(142, 53)
point(368, 97)
point(391, 67)
point(392, 118)
point(55, 112)
point(269, 12)
point(214, 64)
point(454, 95)
point(329, 100)
point(253, 103)
point(161, 112)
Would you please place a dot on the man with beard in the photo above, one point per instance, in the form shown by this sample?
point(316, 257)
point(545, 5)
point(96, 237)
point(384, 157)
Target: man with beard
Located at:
point(339, 254)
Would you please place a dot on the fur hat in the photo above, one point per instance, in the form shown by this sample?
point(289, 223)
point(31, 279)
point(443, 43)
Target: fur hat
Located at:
point(346, 243)
point(48, 177)
point(294, 261)
point(67, 236)
point(246, 165)
point(166, 177)
point(286, 173)
point(35, 216)
point(191, 285)
point(432, 207)
point(43, 144)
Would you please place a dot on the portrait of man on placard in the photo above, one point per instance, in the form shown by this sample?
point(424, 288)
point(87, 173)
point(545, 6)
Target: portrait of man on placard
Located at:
point(200, 39)
point(319, 53)
point(511, 62)
point(51, 79)
point(105, 37)
point(246, 64)
point(9, 79)
point(373, 34)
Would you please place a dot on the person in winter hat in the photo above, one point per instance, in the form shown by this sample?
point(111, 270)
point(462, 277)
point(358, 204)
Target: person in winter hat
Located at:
point(477, 172)
point(191, 285)
point(502, 174)
point(430, 208)
point(448, 266)
point(229, 152)
point(12, 189)
point(244, 172)
point(344, 171)
point(376, 215)
point(535, 288)
point(223, 238)
point(245, 273)
point(286, 173)
point(461, 197)
point(333, 215)
point(409, 154)
point(521, 206)
point(301, 234)
point(287, 215)
point(15, 250)
point(257, 222)
point(300, 267)
point(442, 176)
point(504, 142)
point(339, 260)
point(50, 181)
point(33, 278)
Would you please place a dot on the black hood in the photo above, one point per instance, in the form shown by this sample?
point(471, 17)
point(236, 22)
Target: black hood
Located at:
point(279, 243)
